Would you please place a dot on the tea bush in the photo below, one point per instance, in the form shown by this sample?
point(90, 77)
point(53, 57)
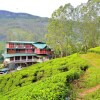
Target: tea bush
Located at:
point(95, 50)
point(45, 81)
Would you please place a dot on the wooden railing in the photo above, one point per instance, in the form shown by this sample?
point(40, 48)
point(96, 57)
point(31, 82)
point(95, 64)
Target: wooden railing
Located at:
point(26, 60)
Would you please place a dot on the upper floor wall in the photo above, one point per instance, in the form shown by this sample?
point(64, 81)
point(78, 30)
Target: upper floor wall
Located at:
point(27, 47)
point(19, 45)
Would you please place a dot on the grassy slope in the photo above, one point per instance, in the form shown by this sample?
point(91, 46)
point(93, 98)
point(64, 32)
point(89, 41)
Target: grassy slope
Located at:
point(46, 81)
point(95, 50)
point(93, 96)
point(92, 76)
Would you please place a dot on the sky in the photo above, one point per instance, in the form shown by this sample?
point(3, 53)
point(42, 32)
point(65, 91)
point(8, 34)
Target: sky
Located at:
point(43, 8)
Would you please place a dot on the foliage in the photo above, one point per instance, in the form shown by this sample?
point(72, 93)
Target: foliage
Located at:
point(46, 81)
point(2, 47)
point(93, 96)
point(74, 29)
point(95, 50)
point(91, 77)
point(60, 32)
point(13, 26)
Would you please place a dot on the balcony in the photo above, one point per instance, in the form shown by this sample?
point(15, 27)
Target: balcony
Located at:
point(24, 60)
point(20, 51)
point(19, 46)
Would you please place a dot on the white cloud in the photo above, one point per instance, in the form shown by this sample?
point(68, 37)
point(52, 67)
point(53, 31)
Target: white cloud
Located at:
point(36, 7)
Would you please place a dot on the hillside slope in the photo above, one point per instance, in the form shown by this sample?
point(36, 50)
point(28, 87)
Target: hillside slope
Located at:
point(46, 81)
point(13, 24)
point(90, 82)
point(52, 80)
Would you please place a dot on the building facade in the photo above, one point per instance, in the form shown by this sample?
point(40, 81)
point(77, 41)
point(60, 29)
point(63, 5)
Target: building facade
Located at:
point(25, 53)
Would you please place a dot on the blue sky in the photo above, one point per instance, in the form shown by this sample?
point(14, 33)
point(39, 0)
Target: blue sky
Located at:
point(43, 8)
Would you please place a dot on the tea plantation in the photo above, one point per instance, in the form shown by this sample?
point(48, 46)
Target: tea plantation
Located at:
point(95, 50)
point(89, 83)
point(45, 81)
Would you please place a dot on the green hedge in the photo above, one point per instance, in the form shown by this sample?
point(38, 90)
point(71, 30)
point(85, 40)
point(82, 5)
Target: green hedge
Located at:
point(95, 50)
point(45, 81)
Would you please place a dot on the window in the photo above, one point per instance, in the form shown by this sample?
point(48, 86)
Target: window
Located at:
point(28, 46)
point(17, 58)
point(12, 58)
point(23, 57)
point(11, 45)
point(29, 57)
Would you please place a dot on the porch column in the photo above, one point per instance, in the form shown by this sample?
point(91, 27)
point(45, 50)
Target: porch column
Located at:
point(20, 58)
point(32, 59)
point(14, 59)
point(26, 58)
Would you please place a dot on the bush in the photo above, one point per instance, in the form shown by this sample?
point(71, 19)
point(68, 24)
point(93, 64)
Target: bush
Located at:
point(95, 50)
point(45, 81)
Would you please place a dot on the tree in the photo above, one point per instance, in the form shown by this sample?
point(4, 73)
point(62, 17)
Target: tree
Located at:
point(74, 29)
point(59, 32)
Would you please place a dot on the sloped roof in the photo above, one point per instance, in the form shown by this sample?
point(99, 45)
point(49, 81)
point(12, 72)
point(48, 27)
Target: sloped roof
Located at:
point(40, 46)
point(13, 55)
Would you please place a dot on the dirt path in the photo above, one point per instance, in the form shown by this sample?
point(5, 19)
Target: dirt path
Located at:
point(94, 60)
point(89, 90)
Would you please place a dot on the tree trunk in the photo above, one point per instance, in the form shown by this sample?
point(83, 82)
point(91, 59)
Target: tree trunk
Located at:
point(61, 54)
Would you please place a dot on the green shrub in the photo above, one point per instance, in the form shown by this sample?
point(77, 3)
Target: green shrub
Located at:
point(95, 50)
point(45, 81)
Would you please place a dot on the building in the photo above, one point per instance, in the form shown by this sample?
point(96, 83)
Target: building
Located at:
point(23, 53)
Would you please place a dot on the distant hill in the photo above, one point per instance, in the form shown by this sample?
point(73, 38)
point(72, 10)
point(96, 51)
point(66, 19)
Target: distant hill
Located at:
point(14, 24)
point(8, 14)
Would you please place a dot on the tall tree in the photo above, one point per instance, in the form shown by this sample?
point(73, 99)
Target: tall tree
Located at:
point(59, 31)
point(74, 29)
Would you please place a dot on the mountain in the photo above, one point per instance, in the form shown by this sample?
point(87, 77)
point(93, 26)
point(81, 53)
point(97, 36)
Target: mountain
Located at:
point(23, 25)
point(8, 14)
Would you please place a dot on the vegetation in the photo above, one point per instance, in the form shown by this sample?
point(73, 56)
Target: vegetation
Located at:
point(74, 29)
point(92, 75)
point(91, 78)
point(21, 27)
point(52, 80)
point(2, 48)
point(70, 30)
point(95, 50)
point(46, 81)
point(25, 26)
point(93, 96)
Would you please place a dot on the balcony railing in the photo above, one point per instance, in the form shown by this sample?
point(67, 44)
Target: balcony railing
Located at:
point(20, 46)
point(26, 60)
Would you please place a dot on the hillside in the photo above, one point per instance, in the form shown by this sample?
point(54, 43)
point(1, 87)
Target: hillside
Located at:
point(46, 81)
point(89, 85)
point(52, 80)
point(20, 24)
